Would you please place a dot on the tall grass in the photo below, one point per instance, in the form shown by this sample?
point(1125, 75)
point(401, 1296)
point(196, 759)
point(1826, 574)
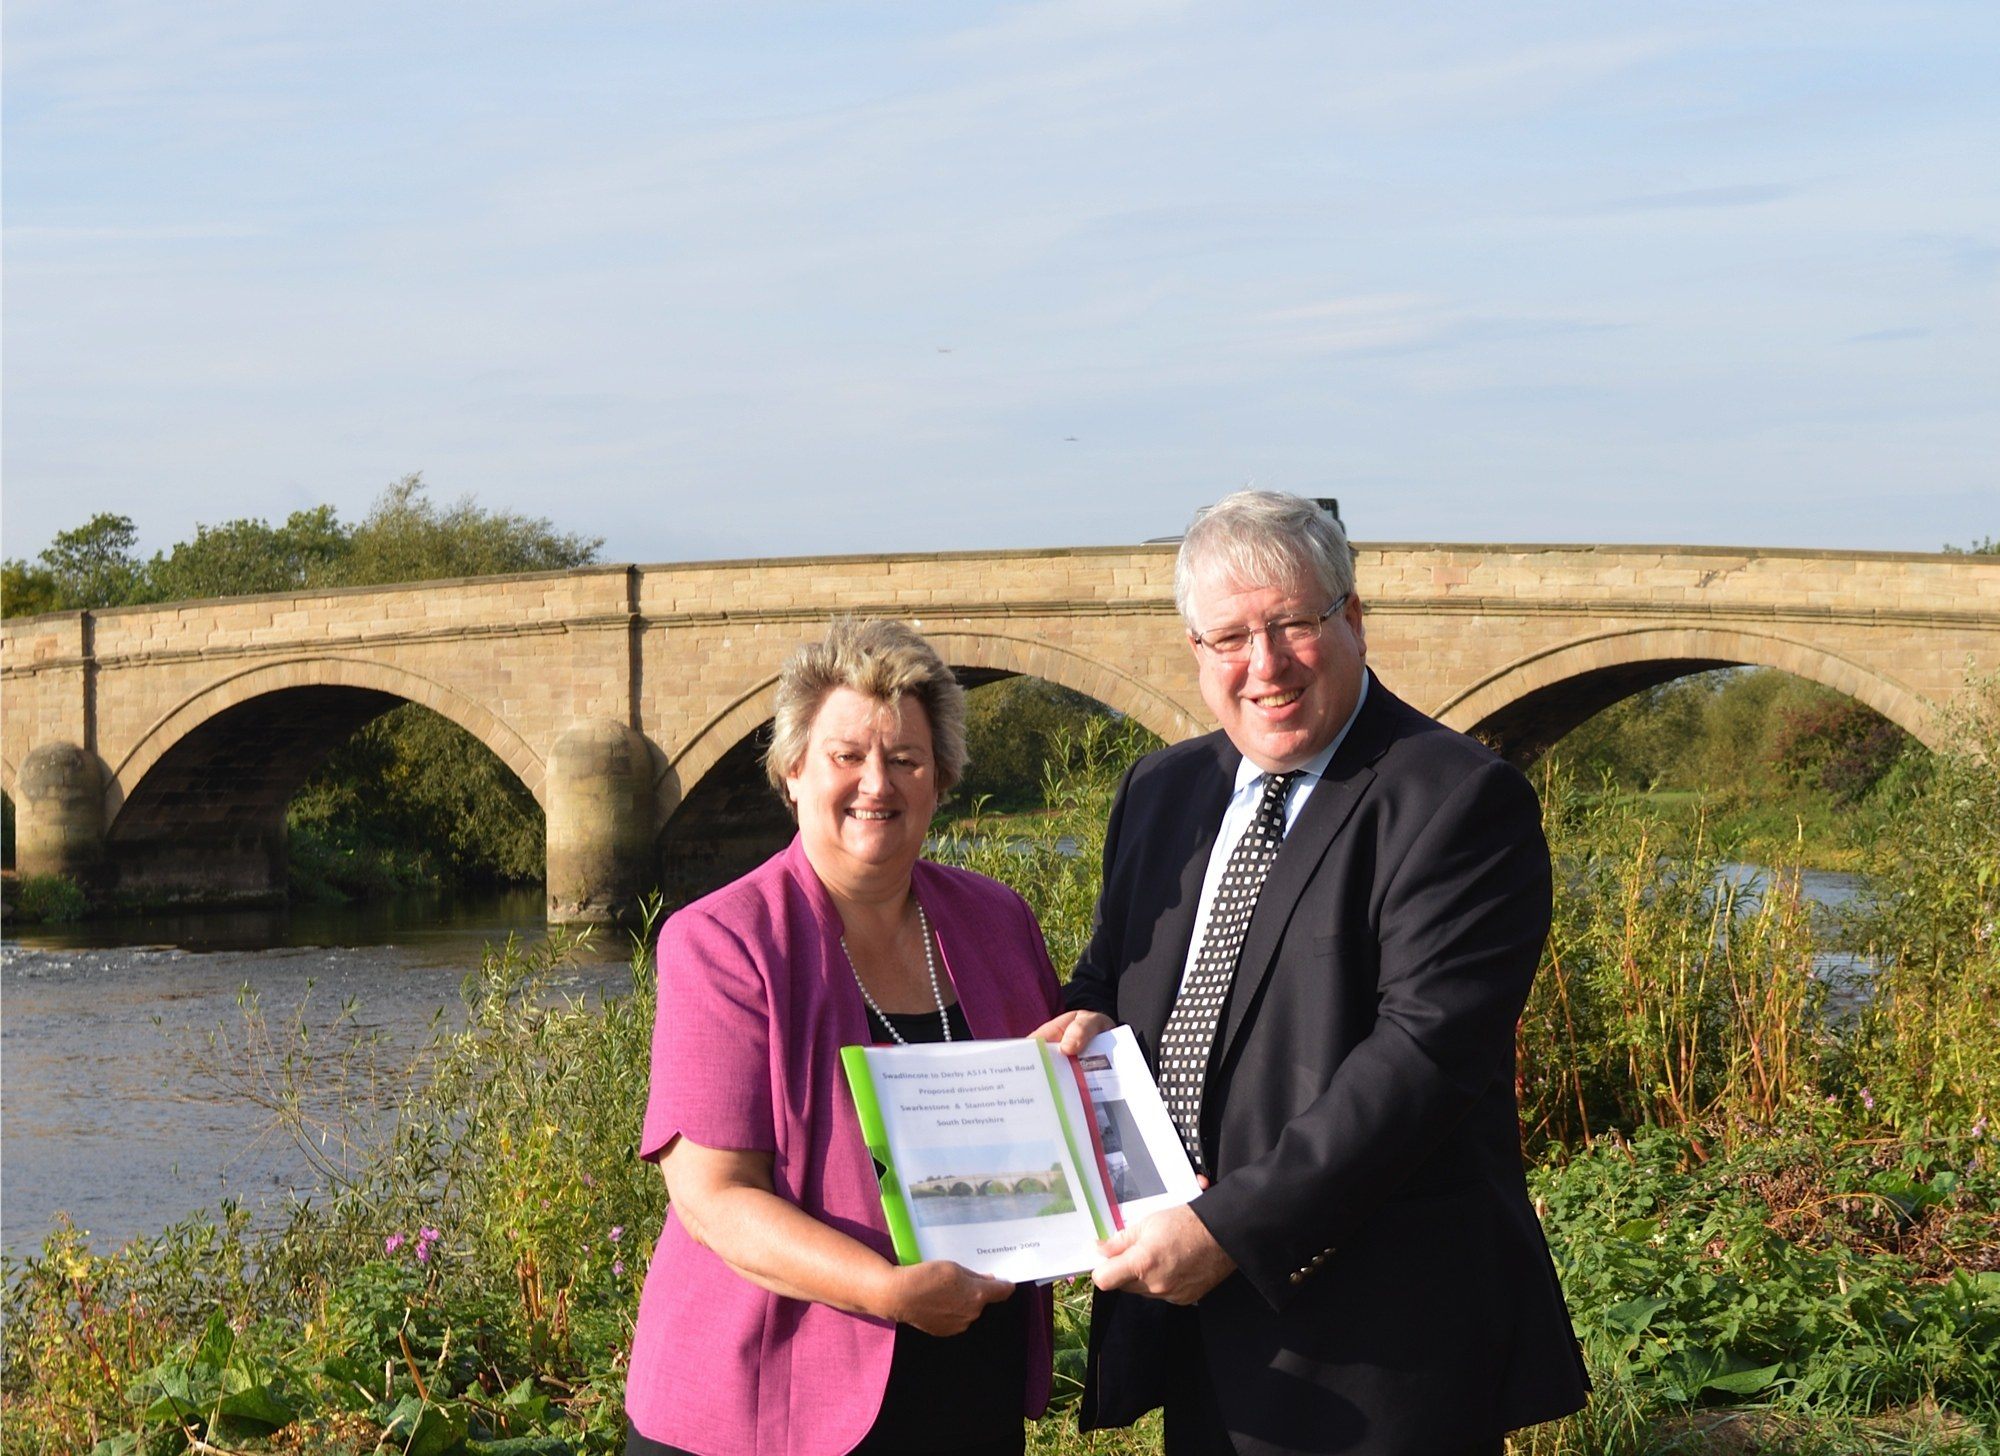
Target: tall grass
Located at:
point(1929, 1045)
point(1778, 1223)
point(1670, 994)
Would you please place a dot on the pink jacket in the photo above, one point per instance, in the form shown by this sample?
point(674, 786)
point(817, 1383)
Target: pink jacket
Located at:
point(756, 1000)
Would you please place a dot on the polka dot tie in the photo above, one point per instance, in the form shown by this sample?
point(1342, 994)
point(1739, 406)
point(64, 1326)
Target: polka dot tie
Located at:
point(1190, 1032)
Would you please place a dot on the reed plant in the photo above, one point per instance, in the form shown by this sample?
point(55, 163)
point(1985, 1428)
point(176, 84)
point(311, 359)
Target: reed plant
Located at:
point(1671, 992)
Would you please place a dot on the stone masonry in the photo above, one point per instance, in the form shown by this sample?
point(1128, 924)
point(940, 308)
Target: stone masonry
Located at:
point(194, 722)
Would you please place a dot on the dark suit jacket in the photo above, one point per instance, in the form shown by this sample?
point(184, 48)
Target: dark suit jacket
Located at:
point(1394, 1292)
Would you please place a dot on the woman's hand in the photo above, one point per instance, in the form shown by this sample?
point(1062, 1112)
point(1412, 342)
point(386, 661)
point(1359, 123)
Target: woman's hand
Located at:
point(1072, 1031)
point(940, 1297)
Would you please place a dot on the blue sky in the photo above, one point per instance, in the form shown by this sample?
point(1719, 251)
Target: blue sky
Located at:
point(773, 279)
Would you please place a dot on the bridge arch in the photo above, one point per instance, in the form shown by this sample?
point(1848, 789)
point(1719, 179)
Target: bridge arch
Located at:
point(1528, 705)
point(358, 674)
point(196, 807)
point(718, 778)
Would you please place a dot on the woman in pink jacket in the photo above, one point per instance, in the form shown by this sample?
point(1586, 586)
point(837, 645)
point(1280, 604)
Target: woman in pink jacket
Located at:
point(775, 1318)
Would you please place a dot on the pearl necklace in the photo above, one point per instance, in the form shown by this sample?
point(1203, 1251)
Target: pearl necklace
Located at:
point(930, 965)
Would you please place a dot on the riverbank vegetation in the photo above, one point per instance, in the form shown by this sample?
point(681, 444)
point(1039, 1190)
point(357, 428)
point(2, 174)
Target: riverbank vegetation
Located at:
point(1767, 1174)
point(1781, 769)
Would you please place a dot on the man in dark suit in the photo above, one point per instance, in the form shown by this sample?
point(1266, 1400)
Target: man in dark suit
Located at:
point(1322, 923)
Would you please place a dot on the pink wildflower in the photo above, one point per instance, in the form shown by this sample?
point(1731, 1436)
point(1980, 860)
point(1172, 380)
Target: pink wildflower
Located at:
point(392, 1243)
point(617, 1232)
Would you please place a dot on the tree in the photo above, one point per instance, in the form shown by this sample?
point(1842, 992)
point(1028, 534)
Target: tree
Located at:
point(412, 795)
point(405, 537)
point(1643, 741)
point(244, 557)
point(27, 590)
point(1985, 546)
point(93, 565)
point(1835, 745)
point(1014, 728)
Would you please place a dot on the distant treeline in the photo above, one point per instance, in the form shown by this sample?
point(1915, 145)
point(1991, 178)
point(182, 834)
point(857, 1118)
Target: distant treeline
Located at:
point(1751, 733)
point(404, 537)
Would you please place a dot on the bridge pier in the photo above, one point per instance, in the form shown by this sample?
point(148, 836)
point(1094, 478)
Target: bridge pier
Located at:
point(599, 803)
point(59, 815)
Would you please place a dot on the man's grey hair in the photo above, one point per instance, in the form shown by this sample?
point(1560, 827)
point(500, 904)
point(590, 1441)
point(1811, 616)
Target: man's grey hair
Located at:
point(1268, 538)
point(880, 659)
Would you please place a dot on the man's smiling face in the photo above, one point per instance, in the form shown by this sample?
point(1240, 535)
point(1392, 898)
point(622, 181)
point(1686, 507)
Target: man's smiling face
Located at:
point(1284, 702)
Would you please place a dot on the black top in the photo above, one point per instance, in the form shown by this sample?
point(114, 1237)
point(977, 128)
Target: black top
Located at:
point(960, 1395)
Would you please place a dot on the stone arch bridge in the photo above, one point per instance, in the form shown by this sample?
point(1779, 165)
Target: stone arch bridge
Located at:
point(153, 749)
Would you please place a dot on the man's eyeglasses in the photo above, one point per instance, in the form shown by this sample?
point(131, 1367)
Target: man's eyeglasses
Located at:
point(1232, 644)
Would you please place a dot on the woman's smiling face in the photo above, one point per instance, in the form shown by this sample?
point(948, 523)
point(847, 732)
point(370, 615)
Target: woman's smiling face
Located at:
point(866, 789)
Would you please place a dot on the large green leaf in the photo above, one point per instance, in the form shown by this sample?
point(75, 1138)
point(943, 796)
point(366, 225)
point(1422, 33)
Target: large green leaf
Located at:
point(416, 1427)
point(1632, 1317)
point(216, 1343)
point(524, 1405)
point(250, 1398)
point(184, 1394)
point(1742, 1382)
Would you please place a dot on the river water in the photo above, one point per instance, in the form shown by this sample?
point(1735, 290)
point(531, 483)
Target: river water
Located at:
point(121, 1107)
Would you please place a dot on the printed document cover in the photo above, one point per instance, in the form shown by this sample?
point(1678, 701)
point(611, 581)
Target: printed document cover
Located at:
point(1009, 1157)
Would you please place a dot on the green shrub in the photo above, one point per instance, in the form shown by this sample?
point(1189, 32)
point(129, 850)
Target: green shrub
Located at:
point(53, 898)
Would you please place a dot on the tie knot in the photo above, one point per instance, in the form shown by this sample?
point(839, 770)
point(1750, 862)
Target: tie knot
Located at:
point(1272, 806)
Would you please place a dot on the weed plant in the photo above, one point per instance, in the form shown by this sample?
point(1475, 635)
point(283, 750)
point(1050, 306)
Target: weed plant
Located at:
point(51, 898)
point(1777, 1221)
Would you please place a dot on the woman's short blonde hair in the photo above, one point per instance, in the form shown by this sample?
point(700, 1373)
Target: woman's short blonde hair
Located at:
point(878, 658)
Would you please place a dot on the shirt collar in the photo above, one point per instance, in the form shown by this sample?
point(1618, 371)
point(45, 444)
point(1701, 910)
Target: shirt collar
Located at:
point(1247, 773)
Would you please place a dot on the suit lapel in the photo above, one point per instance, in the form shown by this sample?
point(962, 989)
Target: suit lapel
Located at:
point(1332, 803)
point(1207, 796)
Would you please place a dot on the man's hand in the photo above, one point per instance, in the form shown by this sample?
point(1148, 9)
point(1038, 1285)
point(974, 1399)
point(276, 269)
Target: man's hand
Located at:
point(1169, 1255)
point(1073, 1030)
